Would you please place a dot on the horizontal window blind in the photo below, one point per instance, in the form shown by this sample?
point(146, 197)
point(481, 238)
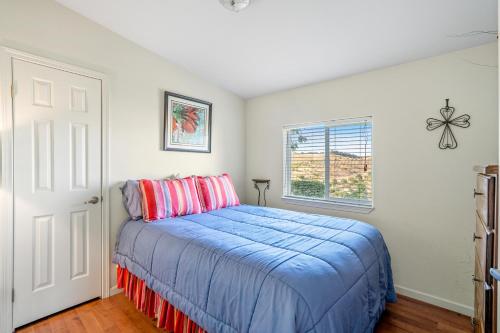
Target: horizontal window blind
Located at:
point(329, 161)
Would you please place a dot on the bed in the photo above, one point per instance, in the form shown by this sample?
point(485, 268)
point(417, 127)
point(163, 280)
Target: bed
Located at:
point(258, 269)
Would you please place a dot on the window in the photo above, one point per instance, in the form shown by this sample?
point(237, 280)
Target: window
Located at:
point(329, 164)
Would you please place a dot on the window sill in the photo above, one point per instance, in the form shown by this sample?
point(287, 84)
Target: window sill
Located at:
point(333, 205)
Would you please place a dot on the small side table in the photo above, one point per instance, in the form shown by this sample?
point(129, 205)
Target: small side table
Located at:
point(256, 183)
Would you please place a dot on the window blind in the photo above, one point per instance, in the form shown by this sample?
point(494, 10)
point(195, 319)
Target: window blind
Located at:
point(329, 161)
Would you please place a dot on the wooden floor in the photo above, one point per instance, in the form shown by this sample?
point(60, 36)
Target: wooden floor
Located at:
point(118, 314)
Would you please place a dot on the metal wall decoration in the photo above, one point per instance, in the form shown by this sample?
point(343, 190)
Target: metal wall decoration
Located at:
point(447, 138)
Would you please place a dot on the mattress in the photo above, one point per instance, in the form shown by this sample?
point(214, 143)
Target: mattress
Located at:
point(258, 269)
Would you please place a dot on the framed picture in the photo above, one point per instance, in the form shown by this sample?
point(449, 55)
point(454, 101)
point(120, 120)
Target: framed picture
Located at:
point(187, 124)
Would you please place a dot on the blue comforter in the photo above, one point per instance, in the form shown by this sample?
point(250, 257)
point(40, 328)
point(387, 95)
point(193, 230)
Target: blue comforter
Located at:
point(257, 269)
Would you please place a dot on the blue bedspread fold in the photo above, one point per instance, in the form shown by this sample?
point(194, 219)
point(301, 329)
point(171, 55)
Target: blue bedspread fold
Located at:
point(257, 269)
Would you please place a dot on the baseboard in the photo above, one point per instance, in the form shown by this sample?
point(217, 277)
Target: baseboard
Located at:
point(114, 290)
point(434, 300)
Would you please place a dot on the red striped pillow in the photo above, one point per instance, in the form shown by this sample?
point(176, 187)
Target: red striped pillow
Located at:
point(169, 198)
point(217, 192)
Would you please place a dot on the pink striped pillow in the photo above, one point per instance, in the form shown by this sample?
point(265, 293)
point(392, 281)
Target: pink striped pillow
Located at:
point(217, 192)
point(169, 198)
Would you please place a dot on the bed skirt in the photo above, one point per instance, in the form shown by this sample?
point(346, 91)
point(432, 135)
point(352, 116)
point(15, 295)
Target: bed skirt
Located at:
point(153, 305)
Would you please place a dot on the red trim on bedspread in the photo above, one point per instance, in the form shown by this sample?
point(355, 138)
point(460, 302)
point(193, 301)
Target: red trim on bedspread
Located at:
point(153, 305)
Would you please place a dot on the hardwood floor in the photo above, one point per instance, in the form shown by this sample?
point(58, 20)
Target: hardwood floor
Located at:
point(118, 314)
point(409, 315)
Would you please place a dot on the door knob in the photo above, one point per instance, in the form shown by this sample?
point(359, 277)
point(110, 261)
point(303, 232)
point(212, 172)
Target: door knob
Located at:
point(474, 237)
point(92, 200)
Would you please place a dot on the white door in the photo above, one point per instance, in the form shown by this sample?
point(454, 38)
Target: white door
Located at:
point(57, 171)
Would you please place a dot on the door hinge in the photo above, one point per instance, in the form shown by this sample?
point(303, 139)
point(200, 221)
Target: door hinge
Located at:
point(13, 295)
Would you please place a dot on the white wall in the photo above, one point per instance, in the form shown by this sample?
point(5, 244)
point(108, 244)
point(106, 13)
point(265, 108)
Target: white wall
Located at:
point(138, 79)
point(423, 195)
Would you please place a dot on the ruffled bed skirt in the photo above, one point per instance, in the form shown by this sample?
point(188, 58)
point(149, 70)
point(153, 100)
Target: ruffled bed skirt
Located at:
point(153, 305)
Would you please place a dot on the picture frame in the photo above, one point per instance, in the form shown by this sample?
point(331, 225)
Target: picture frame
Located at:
point(187, 124)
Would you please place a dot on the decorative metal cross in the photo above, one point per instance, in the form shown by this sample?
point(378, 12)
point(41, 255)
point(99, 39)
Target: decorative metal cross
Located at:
point(447, 138)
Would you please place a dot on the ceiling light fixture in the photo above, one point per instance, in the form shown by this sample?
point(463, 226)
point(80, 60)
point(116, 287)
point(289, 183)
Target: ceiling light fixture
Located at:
point(235, 5)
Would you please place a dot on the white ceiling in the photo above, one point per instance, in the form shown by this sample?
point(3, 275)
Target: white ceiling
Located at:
point(279, 44)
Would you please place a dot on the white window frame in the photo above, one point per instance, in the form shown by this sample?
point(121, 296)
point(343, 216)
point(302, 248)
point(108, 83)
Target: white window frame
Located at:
point(357, 206)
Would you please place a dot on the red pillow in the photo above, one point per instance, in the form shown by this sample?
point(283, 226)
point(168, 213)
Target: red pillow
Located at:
point(169, 198)
point(217, 192)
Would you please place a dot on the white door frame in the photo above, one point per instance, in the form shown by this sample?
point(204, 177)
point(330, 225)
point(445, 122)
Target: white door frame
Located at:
point(7, 56)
